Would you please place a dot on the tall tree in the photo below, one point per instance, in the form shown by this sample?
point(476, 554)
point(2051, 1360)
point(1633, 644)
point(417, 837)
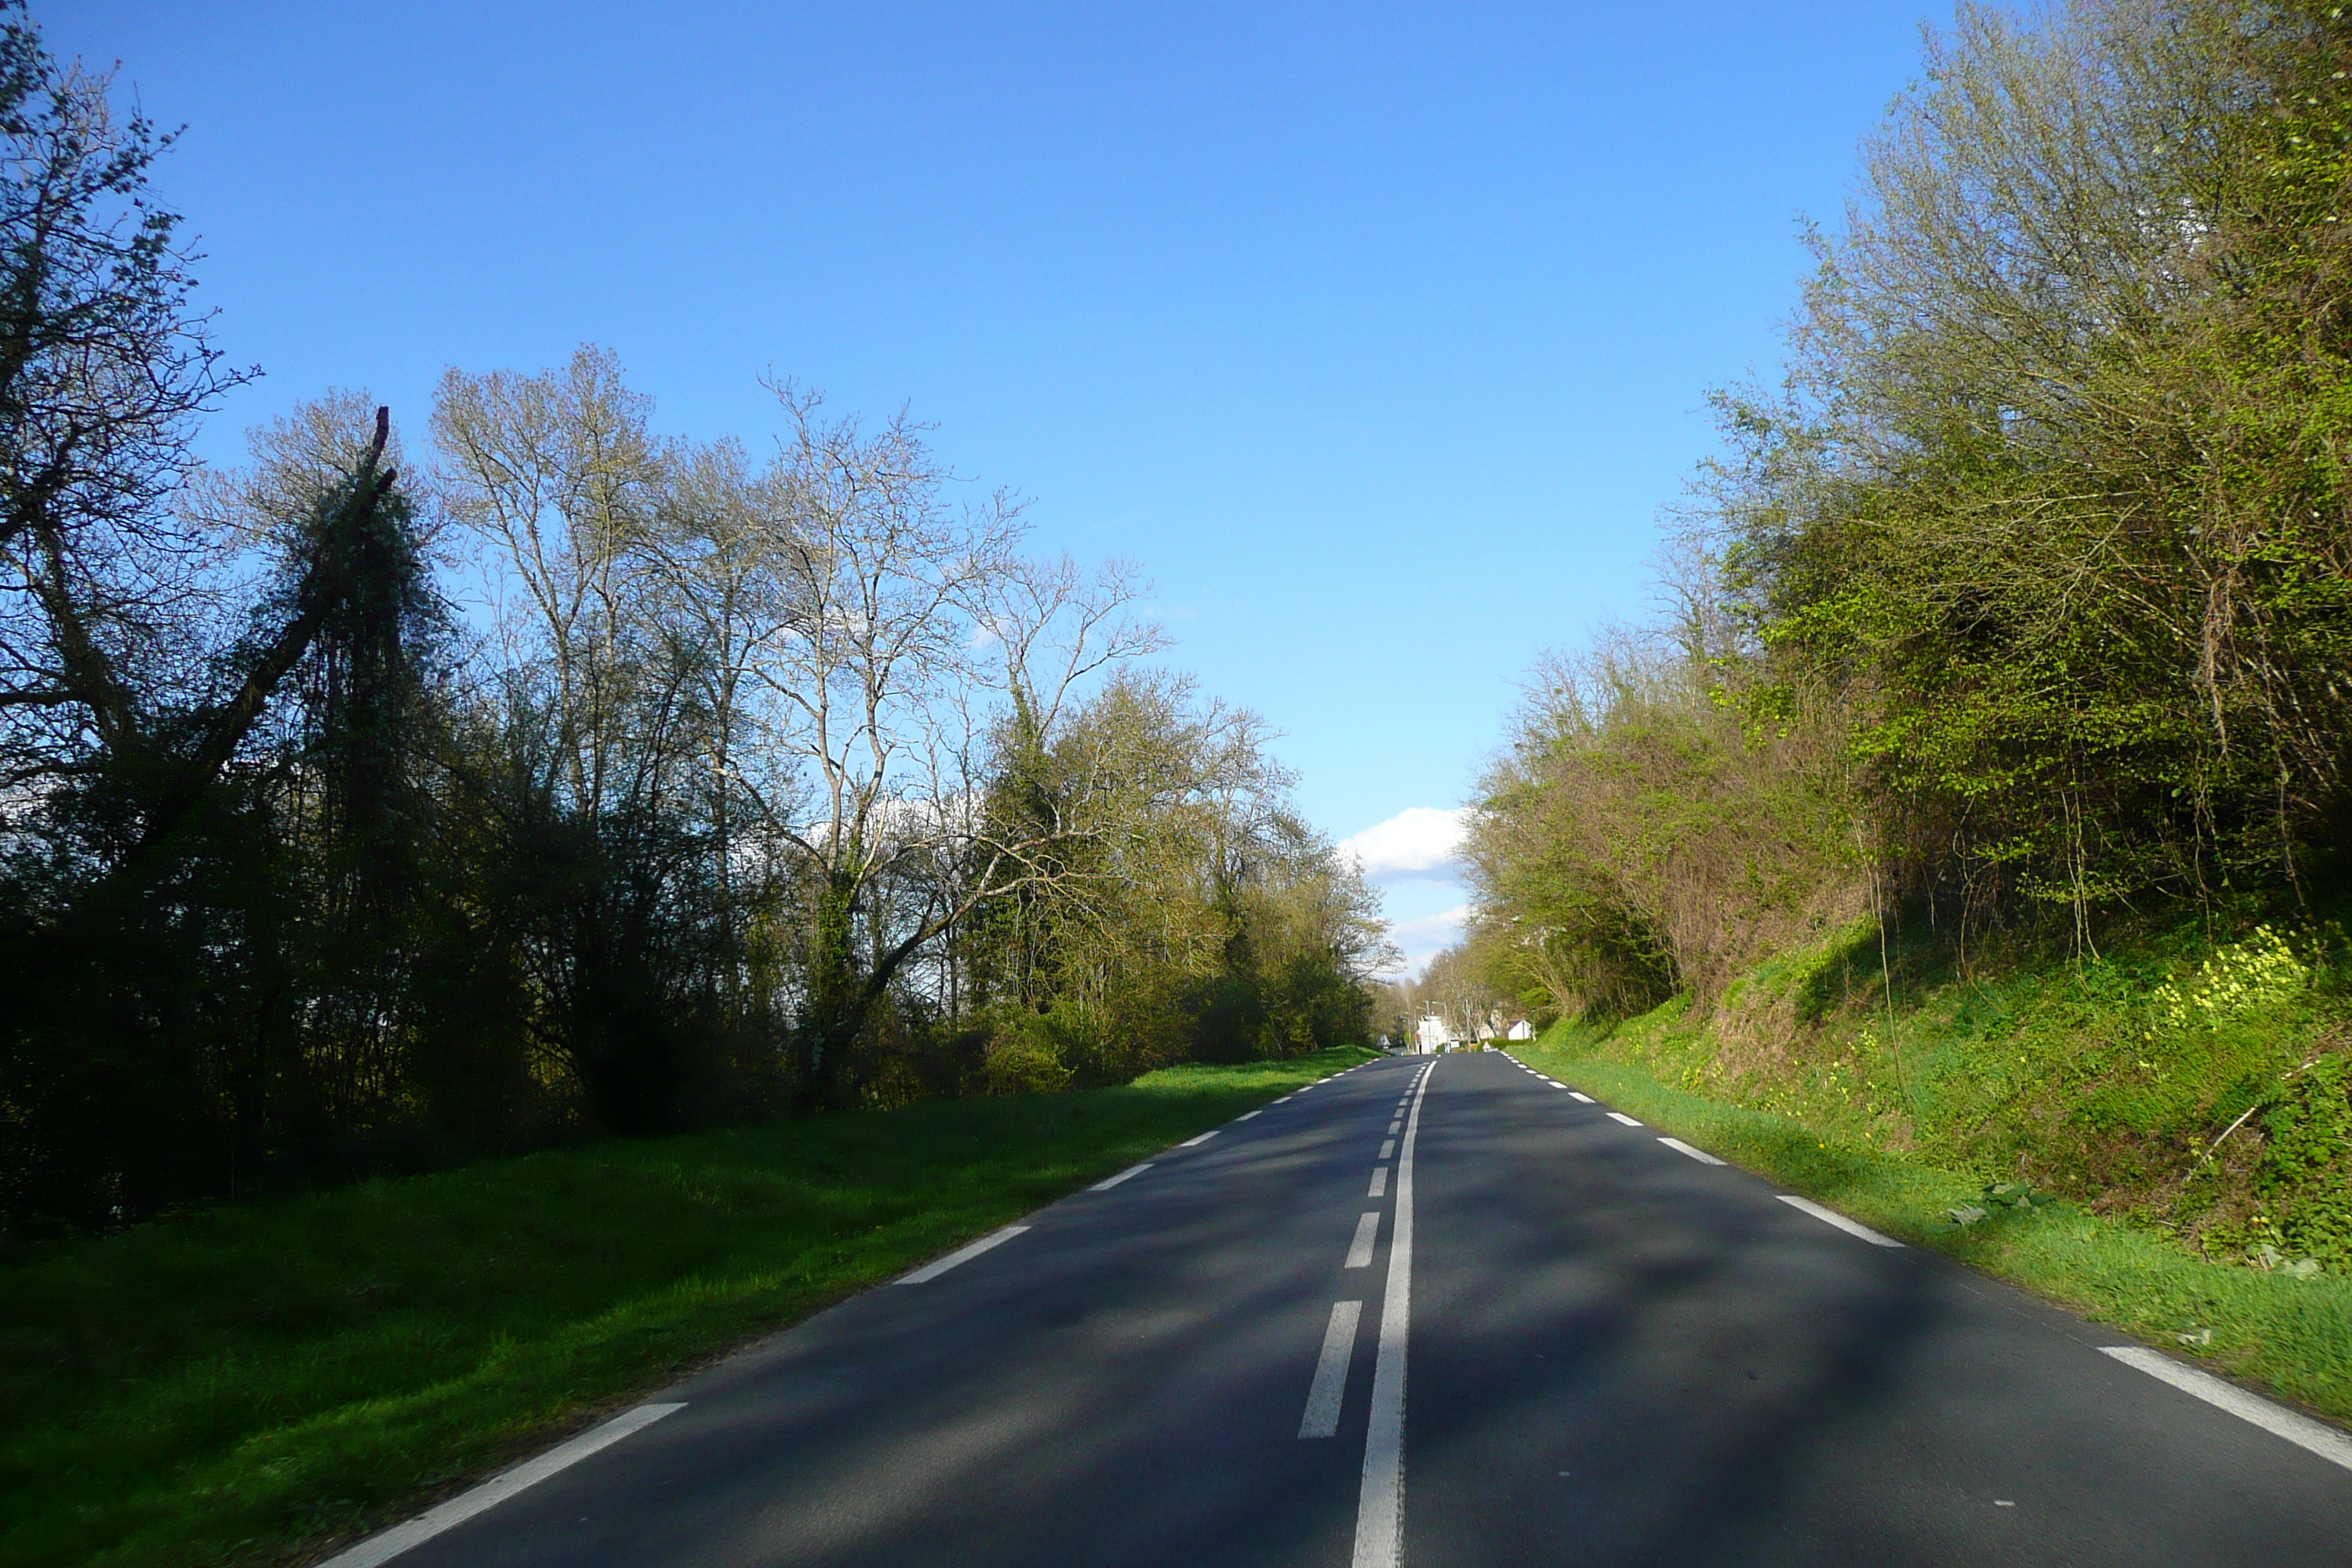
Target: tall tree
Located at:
point(908, 614)
point(103, 368)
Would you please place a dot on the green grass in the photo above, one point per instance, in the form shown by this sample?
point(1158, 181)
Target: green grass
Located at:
point(2292, 1336)
point(248, 1382)
point(2192, 1076)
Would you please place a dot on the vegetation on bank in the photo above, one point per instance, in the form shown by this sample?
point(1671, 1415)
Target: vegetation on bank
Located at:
point(1965, 844)
point(242, 1384)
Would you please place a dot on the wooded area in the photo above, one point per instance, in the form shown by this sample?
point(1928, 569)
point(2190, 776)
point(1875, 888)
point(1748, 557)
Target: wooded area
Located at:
point(363, 808)
point(2027, 594)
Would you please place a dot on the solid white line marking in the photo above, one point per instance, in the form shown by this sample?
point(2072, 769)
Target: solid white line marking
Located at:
point(963, 1254)
point(388, 1544)
point(1379, 1182)
point(1387, 1147)
point(1330, 1384)
point(1831, 1217)
point(1701, 1155)
point(1380, 1505)
point(1193, 1143)
point(1107, 1183)
point(1621, 1116)
point(1247, 1114)
point(2277, 1420)
point(1581, 1096)
point(1360, 1251)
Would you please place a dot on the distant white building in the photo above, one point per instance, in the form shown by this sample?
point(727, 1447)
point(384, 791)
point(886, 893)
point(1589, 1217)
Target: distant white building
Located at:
point(1432, 1034)
point(1522, 1030)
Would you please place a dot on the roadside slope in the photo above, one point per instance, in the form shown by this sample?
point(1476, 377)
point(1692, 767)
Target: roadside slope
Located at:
point(226, 1386)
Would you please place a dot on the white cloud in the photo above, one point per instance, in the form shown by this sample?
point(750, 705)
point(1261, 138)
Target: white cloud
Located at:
point(1420, 840)
point(1425, 939)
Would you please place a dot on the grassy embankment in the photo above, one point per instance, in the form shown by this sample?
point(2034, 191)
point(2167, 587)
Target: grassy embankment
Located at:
point(248, 1382)
point(2157, 1138)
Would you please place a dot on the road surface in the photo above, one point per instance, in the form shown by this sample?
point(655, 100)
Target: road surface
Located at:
point(1437, 1311)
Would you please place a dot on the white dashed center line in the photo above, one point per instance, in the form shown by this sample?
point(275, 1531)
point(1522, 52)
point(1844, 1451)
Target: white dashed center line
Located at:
point(1380, 1181)
point(1368, 1231)
point(1330, 1385)
point(1388, 1147)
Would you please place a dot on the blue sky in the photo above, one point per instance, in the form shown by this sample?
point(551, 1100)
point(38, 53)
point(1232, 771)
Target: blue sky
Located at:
point(1377, 335)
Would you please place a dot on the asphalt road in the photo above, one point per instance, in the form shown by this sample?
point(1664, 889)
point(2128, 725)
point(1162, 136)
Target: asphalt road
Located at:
point(1615, 1355)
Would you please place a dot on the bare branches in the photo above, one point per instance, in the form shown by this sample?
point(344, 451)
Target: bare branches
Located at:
point(103, 366)
point(556, 475)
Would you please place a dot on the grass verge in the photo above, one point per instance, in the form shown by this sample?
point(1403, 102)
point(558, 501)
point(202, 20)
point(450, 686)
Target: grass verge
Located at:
point(2291, 1336)
point(253, 1382)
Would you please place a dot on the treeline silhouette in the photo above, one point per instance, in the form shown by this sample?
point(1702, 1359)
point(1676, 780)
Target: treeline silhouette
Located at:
point(360, 812)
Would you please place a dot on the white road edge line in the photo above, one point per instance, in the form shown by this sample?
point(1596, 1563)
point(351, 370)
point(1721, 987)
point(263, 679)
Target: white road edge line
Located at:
point(1330, 1384)
point(1581, 1097)
point(1379, 1182)
point(386, 1545)
point(1193, 1143)
point(962, 1255)
point(1621, 1116)
point(2277, 1420)
point(1380, 1505)
point(1831, 1217)
point(1360, 1251)
point(1247, 1114)
point(1107, 1183)
point(1701, 1155)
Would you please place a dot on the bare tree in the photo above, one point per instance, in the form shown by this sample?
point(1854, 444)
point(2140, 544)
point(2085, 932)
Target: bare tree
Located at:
point(556, 475)
point(913, 623)
point(709, 565)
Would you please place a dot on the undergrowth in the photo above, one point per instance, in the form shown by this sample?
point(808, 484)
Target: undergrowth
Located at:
point(2190, 1077)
